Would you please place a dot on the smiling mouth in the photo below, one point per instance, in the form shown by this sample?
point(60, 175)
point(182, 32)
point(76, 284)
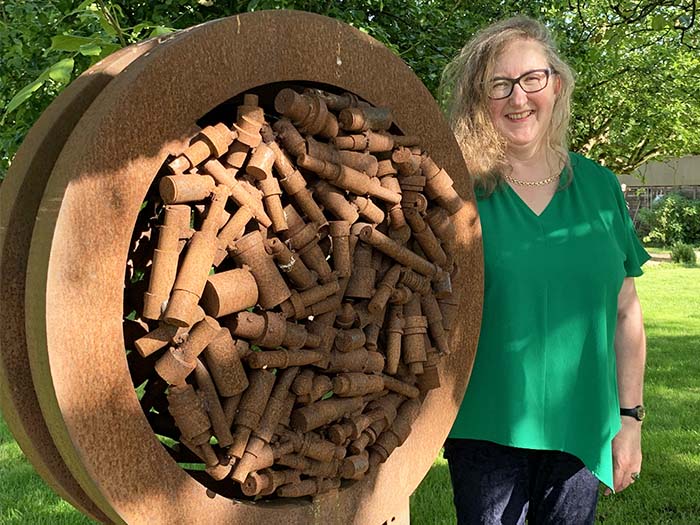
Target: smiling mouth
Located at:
point(520, 116)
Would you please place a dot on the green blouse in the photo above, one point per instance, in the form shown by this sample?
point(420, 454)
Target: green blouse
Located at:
point(544, 375)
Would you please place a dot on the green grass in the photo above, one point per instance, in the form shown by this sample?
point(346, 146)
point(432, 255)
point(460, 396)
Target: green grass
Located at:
point(24, 498)
point(665, 249)
point(657, 249)
point(668, 492)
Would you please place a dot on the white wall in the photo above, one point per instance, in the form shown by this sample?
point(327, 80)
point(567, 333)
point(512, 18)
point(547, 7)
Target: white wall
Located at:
point(684, 171)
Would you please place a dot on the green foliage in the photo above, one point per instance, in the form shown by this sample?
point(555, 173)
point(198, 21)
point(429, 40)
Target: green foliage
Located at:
point(644, 218)
point(633, 101)
point(673, 219)
point(637, 63)
point(60, 72)
point(683, 253)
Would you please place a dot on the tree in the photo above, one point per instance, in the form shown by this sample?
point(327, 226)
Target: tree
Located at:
point(637, 87)
point(637, 61)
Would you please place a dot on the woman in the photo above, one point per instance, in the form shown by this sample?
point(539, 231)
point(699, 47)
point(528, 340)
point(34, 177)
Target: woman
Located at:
point(554, 403)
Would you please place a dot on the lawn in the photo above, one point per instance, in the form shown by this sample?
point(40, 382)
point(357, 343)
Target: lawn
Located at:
point(668, 492)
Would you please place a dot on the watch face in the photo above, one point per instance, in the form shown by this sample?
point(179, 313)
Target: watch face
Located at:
point(641, 413)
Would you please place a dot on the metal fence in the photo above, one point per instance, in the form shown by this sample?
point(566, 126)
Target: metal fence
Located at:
point(640, 197)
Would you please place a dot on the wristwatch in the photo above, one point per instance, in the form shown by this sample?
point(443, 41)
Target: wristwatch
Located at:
point(637, 412)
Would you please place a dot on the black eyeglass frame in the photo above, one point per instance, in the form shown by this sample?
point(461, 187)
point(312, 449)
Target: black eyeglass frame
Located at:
point(548, 71)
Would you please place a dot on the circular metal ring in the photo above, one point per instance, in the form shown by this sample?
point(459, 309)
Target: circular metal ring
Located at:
point(20, 198)
point(81, 238)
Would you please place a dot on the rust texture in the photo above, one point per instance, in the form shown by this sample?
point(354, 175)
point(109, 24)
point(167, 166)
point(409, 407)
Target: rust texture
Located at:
point(288, 348)
point(273, 278)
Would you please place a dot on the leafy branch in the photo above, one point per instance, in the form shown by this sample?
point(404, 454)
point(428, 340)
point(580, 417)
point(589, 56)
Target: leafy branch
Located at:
point(112, 21)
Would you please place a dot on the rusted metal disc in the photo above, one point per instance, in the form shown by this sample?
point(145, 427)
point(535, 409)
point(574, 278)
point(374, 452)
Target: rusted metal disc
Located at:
point(19, 201)
point(80, 245)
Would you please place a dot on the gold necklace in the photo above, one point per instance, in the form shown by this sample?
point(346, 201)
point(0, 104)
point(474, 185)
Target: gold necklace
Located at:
point(521, 182)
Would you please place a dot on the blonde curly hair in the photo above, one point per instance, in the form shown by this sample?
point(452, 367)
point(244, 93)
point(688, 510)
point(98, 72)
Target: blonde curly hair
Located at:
point(463, 83)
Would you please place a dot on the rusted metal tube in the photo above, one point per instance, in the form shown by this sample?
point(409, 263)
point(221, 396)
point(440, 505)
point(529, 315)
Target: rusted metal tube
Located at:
point(291, 139)
point(363, 119)
point(364, 162)
point(397, 433)
point(350, 339)
point(178, 189)
point(258, 453)
point(250, 251)
point(304, 239)
point(320, 386)
point(232, 231)
point(271, 330)
point(239, 194)
point(293, 267)
point(323, 412)
point(298, 304)
point(333, 199)
point(357, 384)
point(165, 259)
point(384, 244)
point(308, 487)
point(337, 102)
point(394, 338)
point(229, 292)
point(157, 339)
point(283, 358)
point(340, 233)
point(220, 428)
point(260, 164)
point(308, 112)
point(431, 309)
point(368, 209)
point(348, 178)
point(266, 481)
point(211, 141)
point(384, 289)
point(413, 351)
point(178, 362)
point(191, 277)
point(250, 409)
point(190, 416)
point(439, 186)
point(356, 361)
point(425, 237)
point(400, 387)
point(364, 275)
point(224, 361)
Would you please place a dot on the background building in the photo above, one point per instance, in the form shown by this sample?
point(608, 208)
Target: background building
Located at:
point(658, 178)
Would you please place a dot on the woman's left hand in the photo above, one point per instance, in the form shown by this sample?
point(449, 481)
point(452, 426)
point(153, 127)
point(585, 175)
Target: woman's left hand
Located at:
point(630, 352)
point(627, 454)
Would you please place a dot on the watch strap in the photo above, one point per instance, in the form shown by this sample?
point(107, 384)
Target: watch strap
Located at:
point(637, 412)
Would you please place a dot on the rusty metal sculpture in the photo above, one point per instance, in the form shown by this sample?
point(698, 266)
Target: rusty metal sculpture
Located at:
point(285, 346)
point(273, 434)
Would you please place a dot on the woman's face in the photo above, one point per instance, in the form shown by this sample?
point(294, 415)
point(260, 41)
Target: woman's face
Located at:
point(523, 118)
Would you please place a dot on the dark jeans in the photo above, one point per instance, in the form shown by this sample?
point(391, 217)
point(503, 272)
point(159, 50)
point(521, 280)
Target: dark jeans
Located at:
point(495, 484)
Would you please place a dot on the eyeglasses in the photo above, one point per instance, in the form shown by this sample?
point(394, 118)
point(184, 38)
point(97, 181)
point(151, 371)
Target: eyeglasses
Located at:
point(530, 82)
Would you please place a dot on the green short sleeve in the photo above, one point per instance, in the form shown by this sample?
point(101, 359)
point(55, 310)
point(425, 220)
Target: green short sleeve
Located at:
point(635, 254)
